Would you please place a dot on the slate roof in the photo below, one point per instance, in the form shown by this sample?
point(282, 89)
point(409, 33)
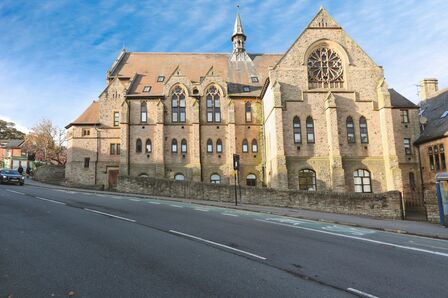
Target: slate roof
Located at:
point(399, 101)
point(91, 116)
point(14, 143)
point(194, 66)
point(432, 109)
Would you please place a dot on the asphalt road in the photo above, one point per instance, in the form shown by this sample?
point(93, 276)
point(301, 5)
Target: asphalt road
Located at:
point(58, 243)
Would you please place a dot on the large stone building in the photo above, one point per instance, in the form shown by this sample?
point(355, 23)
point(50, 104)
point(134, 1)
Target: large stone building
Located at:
point(318, 117)
point(432, 141)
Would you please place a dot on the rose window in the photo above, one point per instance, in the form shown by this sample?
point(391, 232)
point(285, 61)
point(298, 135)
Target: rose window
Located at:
point(325, 69)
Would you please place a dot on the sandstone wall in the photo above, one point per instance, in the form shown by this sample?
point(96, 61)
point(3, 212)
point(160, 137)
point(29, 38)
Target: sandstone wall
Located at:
point(382, 205)
point(50, 174)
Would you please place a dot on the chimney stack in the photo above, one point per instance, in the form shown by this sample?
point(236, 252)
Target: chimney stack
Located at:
point(428, 87)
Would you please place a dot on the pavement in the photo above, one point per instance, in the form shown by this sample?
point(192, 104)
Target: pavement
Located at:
point(59, 242)
point(418, 228)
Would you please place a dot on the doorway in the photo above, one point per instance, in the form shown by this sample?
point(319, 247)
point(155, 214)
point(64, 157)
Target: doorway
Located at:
point(112, 178)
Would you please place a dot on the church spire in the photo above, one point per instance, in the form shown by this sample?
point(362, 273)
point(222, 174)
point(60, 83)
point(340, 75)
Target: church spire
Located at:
point(238, 40)
point(238, 27)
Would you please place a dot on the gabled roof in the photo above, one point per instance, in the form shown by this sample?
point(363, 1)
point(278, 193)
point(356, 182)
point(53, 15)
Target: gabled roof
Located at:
point(194, 66)
point(399, 101)
point(323, 20)
point(432, 109)
point(91, 116)
point(14, 143)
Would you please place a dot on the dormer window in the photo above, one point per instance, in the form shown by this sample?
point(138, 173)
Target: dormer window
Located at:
point(147, 88)
point(254, 79)
point(160, 79)
point(246, 89)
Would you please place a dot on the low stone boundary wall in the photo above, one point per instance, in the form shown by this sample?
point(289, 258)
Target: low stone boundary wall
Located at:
point(51, 174)
point(382, 205)
point(432, 206)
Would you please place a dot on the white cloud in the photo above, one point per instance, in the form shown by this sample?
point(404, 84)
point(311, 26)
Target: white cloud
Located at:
point(19, 126)
point(55, 53)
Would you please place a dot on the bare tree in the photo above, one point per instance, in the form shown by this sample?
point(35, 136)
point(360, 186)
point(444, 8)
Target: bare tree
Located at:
point(47, 142)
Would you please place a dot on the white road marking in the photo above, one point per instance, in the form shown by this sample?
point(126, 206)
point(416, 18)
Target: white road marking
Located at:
point(177, 206)
point(155, 203)
point(229, 214)
point(17, 192)
point(66, 191)
point(99, 195)
point(361, 293)
point(427, 245)
point(52, 201)
point(201, 209)
point(362, 239)
point(217, 244)
point(135, 200)
point(111, 215)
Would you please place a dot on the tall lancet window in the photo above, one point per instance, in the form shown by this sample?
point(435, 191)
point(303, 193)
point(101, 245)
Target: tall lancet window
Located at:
point(144, 112)
point(213, 102)
point(310, 130)
point(248, 108)
point(178, 105)
point(325, 69)
point(363, 132)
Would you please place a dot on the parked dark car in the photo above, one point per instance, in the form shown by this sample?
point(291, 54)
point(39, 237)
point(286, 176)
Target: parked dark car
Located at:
point(11, 176)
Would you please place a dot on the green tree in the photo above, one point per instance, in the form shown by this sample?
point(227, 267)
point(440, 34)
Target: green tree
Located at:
point(8, 131)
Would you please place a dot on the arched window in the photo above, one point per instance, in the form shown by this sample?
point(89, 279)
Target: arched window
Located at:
point(325, 69)
point(254, 146)
point(297, 130)
point(431, 158)
point(412, 181)
point(209, 146)
point(248, 109)
point(179, 177)
point(362, 182)
point(219, 146)
point(143, 112)
point(174, 146)
point(245, 146)
point(215, 179)
point(148, 146)
point(310, 130)
point(138, 146)
point(307, 180)
point(350, 130)
point(436, 157)
point(178, 104)
point(442, 157)
point(213, 102)
point(183, 146)
point(363, 132)
point(251, 180)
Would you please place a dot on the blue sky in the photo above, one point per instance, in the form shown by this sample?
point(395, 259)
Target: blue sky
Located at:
point(55, 53)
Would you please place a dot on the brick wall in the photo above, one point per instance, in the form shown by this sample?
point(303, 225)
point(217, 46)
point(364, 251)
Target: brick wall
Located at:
point(382, 205)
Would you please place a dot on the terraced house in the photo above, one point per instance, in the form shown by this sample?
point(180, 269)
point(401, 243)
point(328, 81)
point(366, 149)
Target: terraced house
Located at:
point(318, 117)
